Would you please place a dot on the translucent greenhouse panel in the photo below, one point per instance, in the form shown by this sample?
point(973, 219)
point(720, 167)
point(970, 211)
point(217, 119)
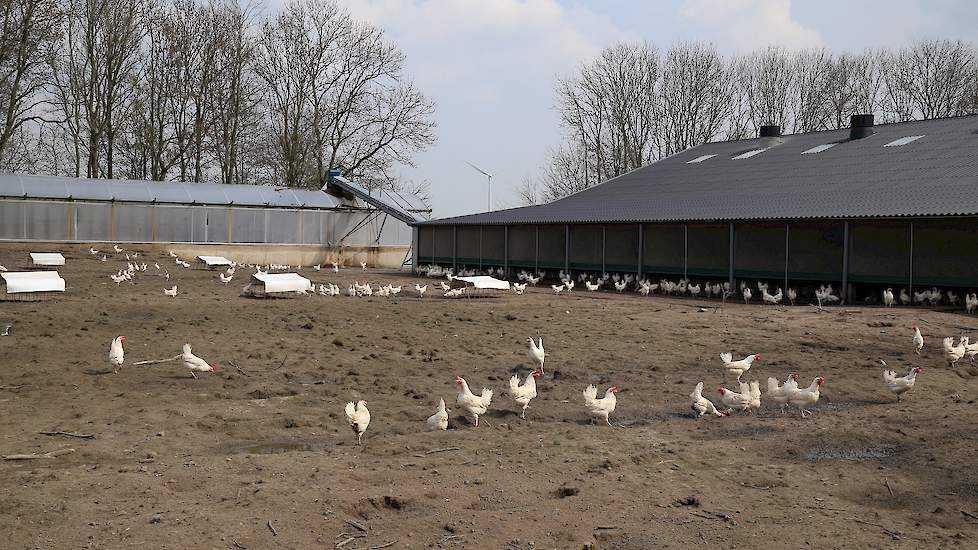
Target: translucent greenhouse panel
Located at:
point(216, 224)
point(523, 246)
point(945, 252)
point(444, 245)
point(759, 250)
point(92, 221)
point(11, 220)
point(621, 248)
point(426, 245)
point(586, 247)
point(311, 227)
point(132, 223)
point(708, 250)
point(247, 225)
point(879, 252)
point(493, 245)
point(553, 247)
point(174, 224)
point(467, 247)
point(46, 221)
point(815, 251)
point(664, 250)
point(282, 226)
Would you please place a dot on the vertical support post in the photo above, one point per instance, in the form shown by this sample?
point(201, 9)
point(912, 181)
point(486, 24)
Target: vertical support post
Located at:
point(536, 251)
point(506, 250)
point(787, 228)
point(416, 241)
point(911, 258)
point(230, 224)
point(641, 249)
point(480, 245)
point(845, 262)
point(567, 249)
point(604, 247)
point(685, 251)
point(455, 247)
point(730, 266)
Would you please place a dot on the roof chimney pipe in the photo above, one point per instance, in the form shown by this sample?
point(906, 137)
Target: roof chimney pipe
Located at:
point(861, 126)
point(771, 130)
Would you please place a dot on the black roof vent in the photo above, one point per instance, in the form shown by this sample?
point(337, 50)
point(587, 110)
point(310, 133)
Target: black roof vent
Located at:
point(770, 130)
point(861, 126)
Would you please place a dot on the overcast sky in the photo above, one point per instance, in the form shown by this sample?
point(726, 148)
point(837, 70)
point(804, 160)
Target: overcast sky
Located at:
point(490, 64)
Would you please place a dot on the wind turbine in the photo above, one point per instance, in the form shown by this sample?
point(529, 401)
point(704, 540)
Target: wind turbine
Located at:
point(488, 175)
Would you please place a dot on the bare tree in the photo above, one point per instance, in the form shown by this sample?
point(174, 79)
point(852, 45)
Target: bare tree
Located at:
point(810, 102)
point(696, 97)
point(27, 39)
point(769, 78)
point(929, 79)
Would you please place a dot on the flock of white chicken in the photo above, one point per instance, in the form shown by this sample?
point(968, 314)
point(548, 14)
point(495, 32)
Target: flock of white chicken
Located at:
point(746, 400)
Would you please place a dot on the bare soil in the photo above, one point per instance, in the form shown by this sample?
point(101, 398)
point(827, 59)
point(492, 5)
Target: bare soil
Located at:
point(258, 455)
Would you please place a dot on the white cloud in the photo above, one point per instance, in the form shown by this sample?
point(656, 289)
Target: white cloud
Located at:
point(745, 25)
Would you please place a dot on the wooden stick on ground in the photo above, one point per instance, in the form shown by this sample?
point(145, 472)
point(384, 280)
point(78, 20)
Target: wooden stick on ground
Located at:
point(154, 361)
point(32, 456)
point(70, 434)
point(433, 451)
point(355, 524)
point(385, 545)
point(271, 527)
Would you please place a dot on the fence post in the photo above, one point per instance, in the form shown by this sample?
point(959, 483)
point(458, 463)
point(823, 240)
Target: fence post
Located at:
point(730, 267)
point(845, 262)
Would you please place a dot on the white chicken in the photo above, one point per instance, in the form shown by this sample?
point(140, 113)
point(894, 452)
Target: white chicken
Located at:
point(807, 397)
point(970, 302)
point(473, 405)
point(781, 394)
point(702, 405)
point(524, 393)
point(444, 286)
point(792, 296)
point(170, 291)
point(363, 266)
point(535, 352)
point(420, 290)
point(600, 408)
point(917, 340)
point(116, 353)
point(194, 363)
point(888, 298)
point(317, 267)
point(755, 396)
point(439, 420)
point(747, 295)
point(954, 353)
point(557, 288)
point(592, 287)
point(359, 417)
point(336, 267)
point(904, 297)
point(225, 278)
point(735, 400)
point(116, 248)
point(519, 289)
point(738, 368)
point(902, 384)
point(620, 286)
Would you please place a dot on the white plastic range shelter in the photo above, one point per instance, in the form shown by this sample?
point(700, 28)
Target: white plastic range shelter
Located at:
point(283, 282)
point(484, 282)
point(214, 261)
point(47, 258)
point(22, 282)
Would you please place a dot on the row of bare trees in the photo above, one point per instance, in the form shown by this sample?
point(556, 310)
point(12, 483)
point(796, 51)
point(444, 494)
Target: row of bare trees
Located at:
point(204, 90)
point(633, 104)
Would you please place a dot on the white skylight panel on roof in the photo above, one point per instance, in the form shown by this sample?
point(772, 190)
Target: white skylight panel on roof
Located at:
point(700, 159)
point(749, 154)
point(902, 141)
point(819, 148)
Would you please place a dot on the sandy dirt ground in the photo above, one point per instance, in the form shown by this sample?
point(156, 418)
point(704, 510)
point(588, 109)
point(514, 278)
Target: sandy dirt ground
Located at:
point(260, 455)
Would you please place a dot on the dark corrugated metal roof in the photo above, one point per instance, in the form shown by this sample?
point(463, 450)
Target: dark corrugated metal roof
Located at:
point(936, 175)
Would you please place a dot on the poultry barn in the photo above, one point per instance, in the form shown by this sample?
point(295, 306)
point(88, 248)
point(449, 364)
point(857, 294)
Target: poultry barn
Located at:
point(341, 222)
point(864, 208)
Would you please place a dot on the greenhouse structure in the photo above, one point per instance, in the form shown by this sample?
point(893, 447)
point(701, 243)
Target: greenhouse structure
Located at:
point(251, 220)
point(890, 205)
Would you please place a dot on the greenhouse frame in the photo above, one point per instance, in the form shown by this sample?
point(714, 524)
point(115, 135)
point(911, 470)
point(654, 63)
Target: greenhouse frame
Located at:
point(864, 207)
